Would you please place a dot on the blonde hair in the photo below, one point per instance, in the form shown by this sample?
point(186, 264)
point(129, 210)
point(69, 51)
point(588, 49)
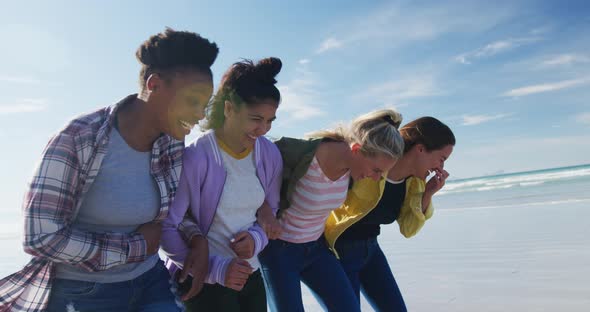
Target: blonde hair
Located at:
point(376, 132)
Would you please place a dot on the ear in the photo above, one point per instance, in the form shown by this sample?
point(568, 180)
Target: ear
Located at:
point(420, 148)
point(153, 82)
point(228, 107)
point(355, 148)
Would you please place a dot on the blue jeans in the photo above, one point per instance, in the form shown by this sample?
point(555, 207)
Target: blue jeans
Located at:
point(149, 292)
point(285, 265)
point(368, 271)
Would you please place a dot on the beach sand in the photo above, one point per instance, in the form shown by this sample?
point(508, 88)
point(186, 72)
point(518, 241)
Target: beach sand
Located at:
point(515, 258)
point(518, 258)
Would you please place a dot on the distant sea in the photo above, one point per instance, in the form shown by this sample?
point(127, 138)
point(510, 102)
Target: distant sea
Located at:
point(539, 187)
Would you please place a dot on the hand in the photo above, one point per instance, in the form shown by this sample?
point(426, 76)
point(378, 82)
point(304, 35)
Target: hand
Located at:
point(237, 274)
point(269, 223)
point(197, 265)
point(436, 182)
point(151, 232)
point(243, 245)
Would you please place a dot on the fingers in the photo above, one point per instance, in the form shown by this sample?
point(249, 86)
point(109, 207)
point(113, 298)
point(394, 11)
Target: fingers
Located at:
point(236, 286)
point(276, 231)
point(241, 236)
point(243, 245)
point(195, 289)
point(243, 266)
point(241, 250)
point(188, 265)
point(238, 274)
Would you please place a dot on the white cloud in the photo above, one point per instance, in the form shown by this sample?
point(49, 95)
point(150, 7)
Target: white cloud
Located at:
point(494, 48)
point(19, 79)
point(583, 118)
point(396, 92)
point(304, 61)
point(24, 106)
point(546, 87)
point(397, 24)
point(329, 44)
point(299, 98)
point(565, 59)
point(541, 30)
point(470, 120)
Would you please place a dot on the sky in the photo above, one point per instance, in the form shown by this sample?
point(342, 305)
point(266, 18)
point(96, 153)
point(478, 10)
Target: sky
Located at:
point(511, 78)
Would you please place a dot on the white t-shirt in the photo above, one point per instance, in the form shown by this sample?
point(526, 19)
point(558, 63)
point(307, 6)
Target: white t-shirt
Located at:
point(241, 197)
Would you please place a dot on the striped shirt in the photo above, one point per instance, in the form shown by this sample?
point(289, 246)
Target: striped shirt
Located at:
point(314, 197)
point(69, 166)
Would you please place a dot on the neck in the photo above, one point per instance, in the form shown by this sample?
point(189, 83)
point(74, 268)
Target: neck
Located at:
point(230, 141)
point(136, 125)
point(335, 158)
point(402, 169)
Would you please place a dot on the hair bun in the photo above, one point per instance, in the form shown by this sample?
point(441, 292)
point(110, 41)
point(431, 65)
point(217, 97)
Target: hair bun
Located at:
point(267, 69)
point(177, 48)
point(392, 117)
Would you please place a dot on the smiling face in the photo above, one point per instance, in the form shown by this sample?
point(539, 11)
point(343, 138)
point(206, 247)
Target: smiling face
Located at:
point(434, 160)
point(243, 125)
point(369, 166)
point(182, 99)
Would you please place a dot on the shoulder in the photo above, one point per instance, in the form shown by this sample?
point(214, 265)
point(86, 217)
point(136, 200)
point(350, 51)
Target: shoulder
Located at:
point(86, 124)
point(268, 147)
point(201, 151)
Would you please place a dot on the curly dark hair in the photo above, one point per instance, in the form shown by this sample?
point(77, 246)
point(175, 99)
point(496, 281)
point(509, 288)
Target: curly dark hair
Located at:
point(245, 83)
point(174, 51)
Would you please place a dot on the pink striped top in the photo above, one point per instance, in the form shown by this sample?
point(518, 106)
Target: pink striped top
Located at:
point(314, 197)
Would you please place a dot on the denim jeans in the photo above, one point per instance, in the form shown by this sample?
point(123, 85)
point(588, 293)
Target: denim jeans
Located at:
point(368, 271)
point(150, 292)
point(285, 265)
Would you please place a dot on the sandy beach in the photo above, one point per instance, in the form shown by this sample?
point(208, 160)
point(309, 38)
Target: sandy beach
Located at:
point(520, 249)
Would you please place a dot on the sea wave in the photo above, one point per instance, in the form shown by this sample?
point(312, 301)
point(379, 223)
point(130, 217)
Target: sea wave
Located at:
point(525, 179)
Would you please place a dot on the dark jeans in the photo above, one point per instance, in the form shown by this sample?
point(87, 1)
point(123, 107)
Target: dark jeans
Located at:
point(285, 265)
point(251, 298)
point(368, 271)
point(150, 292)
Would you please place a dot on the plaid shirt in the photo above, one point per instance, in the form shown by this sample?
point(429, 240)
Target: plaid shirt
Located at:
point(70, 164)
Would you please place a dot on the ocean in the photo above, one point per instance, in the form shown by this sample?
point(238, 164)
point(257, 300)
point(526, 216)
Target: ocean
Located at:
point(509, 242)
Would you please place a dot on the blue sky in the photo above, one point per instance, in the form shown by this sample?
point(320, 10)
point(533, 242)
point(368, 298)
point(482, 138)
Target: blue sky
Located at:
point(511, 78)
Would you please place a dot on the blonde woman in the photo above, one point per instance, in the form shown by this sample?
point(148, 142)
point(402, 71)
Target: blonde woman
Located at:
point(316, 176)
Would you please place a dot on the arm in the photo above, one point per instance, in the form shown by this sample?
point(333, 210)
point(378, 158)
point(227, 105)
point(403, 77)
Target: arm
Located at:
point(434, 185)
point(174, 244)
point(49, 208)
point(266, 214)
point(412, 214)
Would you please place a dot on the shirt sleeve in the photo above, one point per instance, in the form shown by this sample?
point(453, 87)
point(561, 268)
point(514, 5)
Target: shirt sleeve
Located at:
point(272, 197)
point(411, 218)
point(180, 226)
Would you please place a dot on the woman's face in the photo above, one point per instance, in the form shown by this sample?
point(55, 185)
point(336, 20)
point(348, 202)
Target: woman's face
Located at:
point(183, 99)
point(369, 166)
point(248, 122)
point(432, 160)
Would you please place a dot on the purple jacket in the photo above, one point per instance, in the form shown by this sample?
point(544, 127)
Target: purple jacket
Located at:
point(201, 184)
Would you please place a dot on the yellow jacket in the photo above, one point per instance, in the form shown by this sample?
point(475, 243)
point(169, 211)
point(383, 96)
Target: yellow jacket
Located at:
point(364, 196)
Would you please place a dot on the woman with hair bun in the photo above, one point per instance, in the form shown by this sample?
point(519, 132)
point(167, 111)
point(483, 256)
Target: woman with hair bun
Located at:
point(93, 208)
point(316, 176)
point(230, 172)
point(404, 196)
